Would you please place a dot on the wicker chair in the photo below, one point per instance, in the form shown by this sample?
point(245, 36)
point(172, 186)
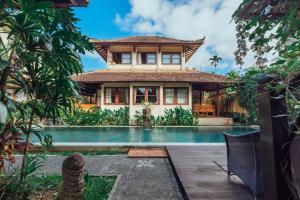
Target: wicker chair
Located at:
point(295, 160)
point(244, 159)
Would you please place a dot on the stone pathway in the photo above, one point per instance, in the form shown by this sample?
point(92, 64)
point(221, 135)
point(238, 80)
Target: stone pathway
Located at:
point(141, 178)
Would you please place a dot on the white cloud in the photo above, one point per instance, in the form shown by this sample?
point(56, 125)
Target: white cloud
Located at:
point(93, 55)
point(188, 19)
point(91, 60)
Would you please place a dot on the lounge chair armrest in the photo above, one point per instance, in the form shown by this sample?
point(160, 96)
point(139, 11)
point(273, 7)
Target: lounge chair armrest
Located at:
point(241, 135)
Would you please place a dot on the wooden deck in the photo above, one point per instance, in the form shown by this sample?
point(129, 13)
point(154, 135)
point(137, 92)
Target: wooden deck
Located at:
point(147, 153)
point(200, 178)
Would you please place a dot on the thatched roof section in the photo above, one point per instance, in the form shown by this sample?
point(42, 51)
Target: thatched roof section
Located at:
point(190, 46)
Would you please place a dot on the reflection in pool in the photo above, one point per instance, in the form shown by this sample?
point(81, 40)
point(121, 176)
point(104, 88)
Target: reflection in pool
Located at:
point(203, 134)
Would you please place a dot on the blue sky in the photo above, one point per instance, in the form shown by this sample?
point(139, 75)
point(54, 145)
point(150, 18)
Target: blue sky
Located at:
point(182, 19)
point(97, 21)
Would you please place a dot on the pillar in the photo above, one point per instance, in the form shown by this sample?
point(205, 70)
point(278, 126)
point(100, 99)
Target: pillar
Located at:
point(273, 123)
point(218, 103)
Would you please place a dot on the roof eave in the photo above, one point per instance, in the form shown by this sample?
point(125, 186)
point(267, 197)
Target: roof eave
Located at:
point(190, 46)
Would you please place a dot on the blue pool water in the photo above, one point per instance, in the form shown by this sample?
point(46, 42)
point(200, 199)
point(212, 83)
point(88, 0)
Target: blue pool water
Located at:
point(141, 135)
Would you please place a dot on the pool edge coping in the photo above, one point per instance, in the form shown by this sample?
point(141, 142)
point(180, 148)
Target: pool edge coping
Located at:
point(106, 144)
point(99, 126)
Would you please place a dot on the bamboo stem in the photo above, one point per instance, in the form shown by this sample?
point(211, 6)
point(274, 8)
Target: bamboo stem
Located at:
point(26, 146)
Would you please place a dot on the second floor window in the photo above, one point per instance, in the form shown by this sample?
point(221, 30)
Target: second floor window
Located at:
point(121, 57)
point(146, 58)
point(171, 58)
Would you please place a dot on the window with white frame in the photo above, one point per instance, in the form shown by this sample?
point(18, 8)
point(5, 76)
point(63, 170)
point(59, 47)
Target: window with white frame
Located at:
point(182, 96)
point(116, 95)
point(121, 57)
point(171, 58)
point(176, 96)
point(146, 58)
point(146, 94)
point(169, 95)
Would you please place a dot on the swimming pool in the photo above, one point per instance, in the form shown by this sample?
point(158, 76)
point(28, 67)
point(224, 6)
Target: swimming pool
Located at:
point(139, 136)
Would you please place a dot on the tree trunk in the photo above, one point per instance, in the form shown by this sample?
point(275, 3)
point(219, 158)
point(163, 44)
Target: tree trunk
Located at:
point(26, 146)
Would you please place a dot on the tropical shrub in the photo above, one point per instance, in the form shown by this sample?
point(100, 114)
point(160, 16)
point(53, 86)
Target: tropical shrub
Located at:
point(246, 90)
point(13, 188)
point(139, 118)
point(267, 34)
point(34, 186)
point(95, 116)
point(178, 116)
point(40, 50)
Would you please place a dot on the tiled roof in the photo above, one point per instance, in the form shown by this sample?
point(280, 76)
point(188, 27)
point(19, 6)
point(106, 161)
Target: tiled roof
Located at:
point(149, 39)
point(190, 46)
point(150, 76)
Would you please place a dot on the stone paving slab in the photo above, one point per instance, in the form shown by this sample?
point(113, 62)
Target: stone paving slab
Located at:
point(141, 178)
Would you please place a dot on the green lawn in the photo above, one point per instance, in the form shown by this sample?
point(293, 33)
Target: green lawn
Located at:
point(96, 187)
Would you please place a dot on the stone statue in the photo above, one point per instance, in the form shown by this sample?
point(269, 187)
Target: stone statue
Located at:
point(73, 178)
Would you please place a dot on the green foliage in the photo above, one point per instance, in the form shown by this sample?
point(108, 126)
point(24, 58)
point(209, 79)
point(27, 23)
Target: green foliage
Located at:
point(246, 90)
point(269, 33)
point(139, 118)
point(178, 117)
point(96, 187)
point(12, 188)
point(40, 49)
point(97, 116)
point(172, 117)
point(214, 61)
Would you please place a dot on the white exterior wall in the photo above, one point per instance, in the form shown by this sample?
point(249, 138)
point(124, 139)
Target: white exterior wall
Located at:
point(156, 110)
point(135, 50)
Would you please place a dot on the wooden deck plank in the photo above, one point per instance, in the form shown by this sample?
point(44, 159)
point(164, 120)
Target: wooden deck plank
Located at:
point(147, 153)
point(201, 178)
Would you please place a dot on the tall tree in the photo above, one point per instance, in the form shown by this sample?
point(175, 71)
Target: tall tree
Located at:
point(269, 27)
point(39, 52)
point(214, 61)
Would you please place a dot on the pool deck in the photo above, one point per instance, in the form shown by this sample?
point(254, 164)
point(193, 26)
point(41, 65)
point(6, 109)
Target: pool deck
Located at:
point(200, 178)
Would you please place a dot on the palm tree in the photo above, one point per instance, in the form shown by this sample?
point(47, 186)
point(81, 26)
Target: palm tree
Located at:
point(39, 52)
point(215, 61)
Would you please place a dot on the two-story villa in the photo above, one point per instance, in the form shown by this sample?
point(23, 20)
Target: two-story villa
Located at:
point(149, 69)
